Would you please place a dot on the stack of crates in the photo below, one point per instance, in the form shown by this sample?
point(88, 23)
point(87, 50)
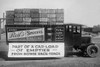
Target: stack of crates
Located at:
point(18, 16)
point(59, 16)
point(43, 16)
point(22, 16)
point(35, 16)
point(9, 17)
point(51, 16)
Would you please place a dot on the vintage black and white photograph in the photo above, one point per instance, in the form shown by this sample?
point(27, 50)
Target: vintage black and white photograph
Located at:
point(49, 33)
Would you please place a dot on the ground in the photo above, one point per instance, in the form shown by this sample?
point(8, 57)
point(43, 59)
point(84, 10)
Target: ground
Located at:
point(58, 62)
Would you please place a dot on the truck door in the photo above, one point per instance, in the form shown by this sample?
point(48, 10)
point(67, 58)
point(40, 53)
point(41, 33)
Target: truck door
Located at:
point(76, 36)
point(72, 37)
point(68, 35)
point(68, 40)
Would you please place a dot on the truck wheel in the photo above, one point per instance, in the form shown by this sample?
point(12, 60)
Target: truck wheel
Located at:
point(92, 50)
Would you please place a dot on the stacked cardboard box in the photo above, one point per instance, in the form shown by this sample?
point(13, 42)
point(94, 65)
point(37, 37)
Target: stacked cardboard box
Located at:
point(35, 16)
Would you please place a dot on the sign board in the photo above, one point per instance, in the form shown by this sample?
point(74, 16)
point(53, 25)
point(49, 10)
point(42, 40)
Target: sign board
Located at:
point(36, 50)
point(27, 35)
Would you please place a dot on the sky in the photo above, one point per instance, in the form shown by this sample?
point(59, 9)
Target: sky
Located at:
point(85, 12)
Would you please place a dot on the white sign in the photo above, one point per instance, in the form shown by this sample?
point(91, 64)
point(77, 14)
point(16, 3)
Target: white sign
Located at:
point(36, 50)
point(26, 33)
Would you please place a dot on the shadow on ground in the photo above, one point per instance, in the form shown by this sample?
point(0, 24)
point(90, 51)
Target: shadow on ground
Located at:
point(4, 55)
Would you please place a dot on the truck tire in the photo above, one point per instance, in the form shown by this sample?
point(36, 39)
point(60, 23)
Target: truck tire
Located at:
point(92, 51)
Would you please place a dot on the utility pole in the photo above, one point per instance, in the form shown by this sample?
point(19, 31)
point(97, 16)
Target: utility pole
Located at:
point(0, 29)
point(2, 23)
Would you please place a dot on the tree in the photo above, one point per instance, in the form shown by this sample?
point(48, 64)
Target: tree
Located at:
point(96, 28)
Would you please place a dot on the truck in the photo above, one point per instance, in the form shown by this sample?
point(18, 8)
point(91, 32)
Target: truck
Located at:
point(48, 41)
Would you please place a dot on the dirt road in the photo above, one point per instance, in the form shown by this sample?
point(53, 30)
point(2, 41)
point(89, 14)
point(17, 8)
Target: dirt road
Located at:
point(63, 62)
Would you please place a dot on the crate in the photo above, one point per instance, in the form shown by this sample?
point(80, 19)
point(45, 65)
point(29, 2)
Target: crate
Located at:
point(43, 15)
point(26, 19)
point(51, 23)
point(51, 19)
point(35, 15)
point(26, 15)
point(43, 19)
point(59, 11)
point(32, 11)
point(59, 23)
point(51, 15)
point(26, 11)
point(34, 22)
point(18, 15)
point(43, 23)
point(19, 23)
point(60, 15)
point(51, 11)
point(35, 19)
point(19, 11)
point(59, 19)
point(27, 23)
point(9, 20)
point(18, 19)
point(9, 23)
point(43, 11)
point(9, 14)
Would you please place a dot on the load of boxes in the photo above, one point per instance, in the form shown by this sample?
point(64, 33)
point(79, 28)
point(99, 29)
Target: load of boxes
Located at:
point(34, 16)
